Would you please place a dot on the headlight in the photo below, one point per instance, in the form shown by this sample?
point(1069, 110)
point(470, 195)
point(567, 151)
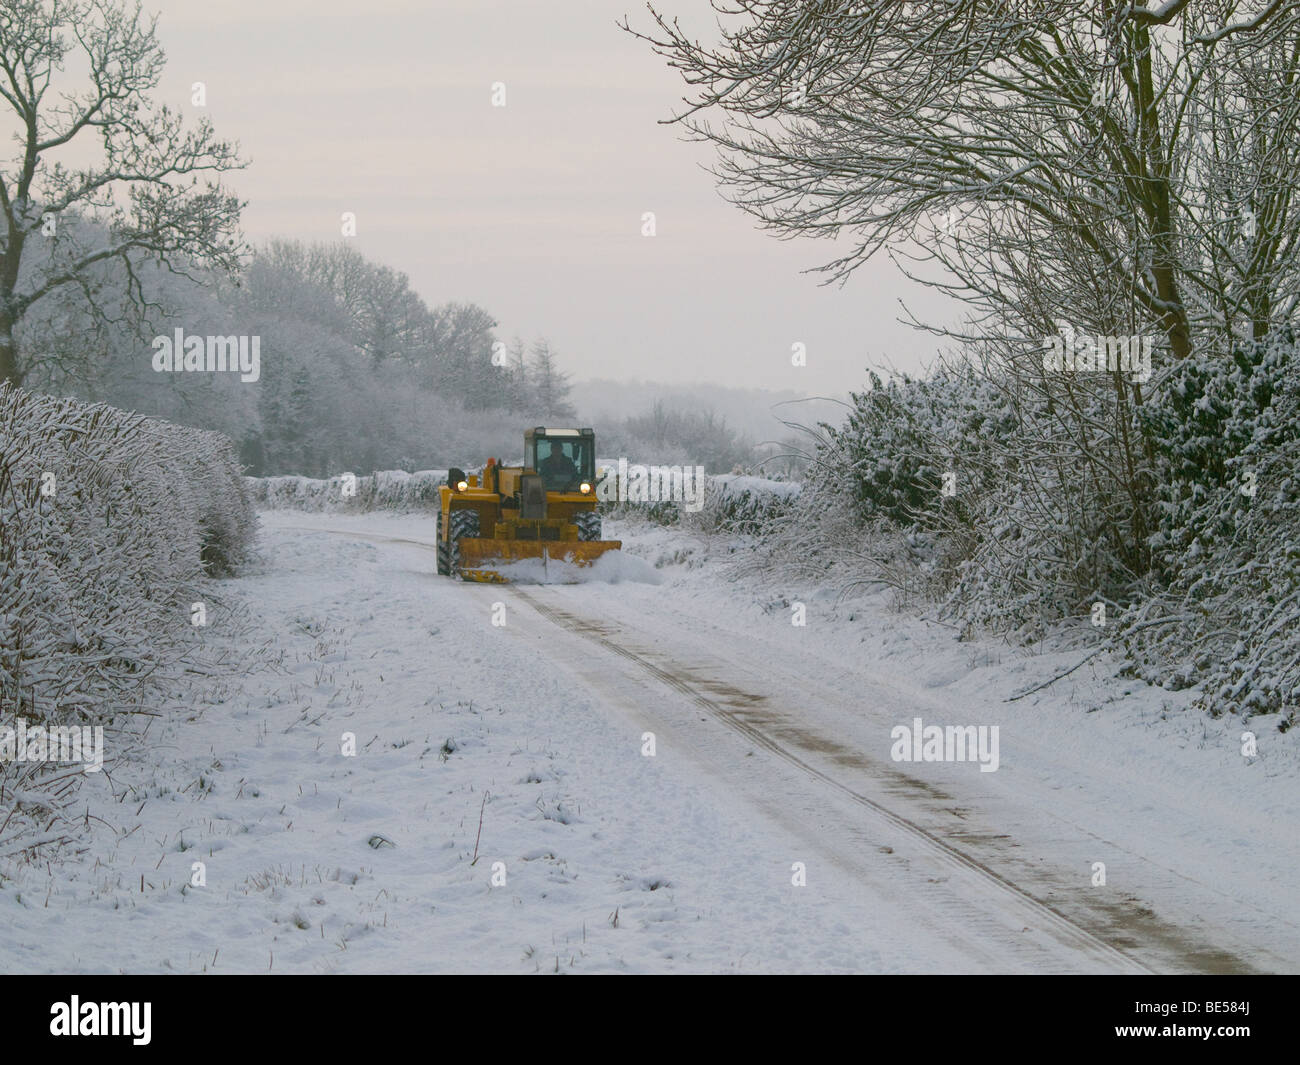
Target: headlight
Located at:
point(584, 488)
point(461, 485)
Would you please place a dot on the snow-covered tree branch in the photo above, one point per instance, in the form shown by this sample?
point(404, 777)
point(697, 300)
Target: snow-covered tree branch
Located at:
point(77, 71)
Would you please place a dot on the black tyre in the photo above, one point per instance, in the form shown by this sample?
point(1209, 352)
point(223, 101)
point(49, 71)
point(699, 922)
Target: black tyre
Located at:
point(461, 523)
point(444, 553)
point(588, 523)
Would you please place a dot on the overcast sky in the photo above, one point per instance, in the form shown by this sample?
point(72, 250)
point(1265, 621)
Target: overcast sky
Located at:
point(533, 210)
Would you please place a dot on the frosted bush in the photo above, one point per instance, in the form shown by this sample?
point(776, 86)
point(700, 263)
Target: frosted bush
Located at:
point(110, 523)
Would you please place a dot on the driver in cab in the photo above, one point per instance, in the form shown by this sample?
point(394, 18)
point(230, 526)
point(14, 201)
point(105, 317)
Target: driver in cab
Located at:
point(557, 469)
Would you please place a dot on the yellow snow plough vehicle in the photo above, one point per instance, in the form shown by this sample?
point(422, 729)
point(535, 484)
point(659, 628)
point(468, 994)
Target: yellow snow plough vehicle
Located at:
point(544, 509)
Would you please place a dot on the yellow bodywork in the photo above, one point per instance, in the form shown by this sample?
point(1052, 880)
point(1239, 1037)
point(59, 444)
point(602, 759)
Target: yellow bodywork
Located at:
point(505, 538)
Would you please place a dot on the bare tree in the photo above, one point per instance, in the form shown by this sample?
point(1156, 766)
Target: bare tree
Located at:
point(388, 319)
point(142, 184)
point(462, 340)
point(1053, 157)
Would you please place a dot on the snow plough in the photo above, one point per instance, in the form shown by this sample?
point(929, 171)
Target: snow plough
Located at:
point(544, 510)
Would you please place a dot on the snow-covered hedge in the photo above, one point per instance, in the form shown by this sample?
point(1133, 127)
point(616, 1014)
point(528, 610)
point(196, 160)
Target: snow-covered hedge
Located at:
point(1226, 613)
point(109, 523)
point(383, 490)
point(732, 503)
point(740, 503)
point(1175, 503)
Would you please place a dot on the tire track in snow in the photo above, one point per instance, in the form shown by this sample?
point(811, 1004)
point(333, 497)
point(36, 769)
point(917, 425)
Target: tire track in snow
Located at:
point(1030, 845)
point(1078, 938)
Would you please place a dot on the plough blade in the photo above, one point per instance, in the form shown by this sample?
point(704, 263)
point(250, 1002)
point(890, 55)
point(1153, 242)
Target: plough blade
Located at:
point(479, 556)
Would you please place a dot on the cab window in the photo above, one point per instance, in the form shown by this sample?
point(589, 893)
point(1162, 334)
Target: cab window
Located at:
point(563, 463)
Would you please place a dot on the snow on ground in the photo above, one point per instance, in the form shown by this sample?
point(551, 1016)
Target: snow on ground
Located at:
point(605, 859)
point(1131, 772)
point(318, 862)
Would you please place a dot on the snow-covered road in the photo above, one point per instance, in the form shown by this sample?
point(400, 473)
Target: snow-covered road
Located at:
point(769, 830)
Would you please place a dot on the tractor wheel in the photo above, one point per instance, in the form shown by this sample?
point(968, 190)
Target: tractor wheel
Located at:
point(588, 523)
point(444, 551)
point(461, 523)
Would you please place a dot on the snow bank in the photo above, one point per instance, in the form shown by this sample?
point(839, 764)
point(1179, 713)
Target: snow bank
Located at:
point(383, 490)
point(109, 523)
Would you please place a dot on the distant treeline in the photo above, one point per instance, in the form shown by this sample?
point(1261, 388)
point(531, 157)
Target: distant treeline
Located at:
point(355, 371)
